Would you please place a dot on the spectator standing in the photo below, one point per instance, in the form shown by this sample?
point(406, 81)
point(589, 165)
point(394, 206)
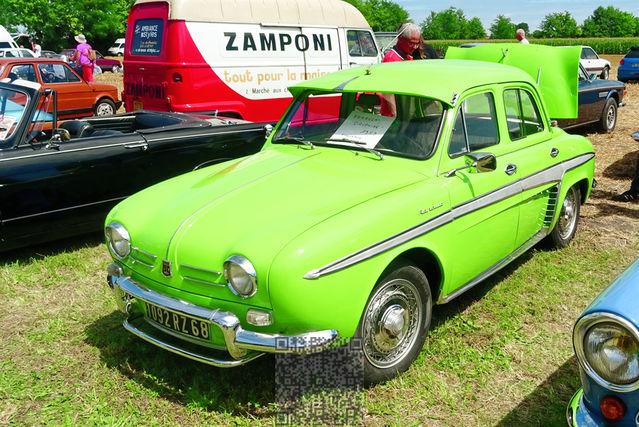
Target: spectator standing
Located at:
point(521, 36)
point(82, 57)
point(408, 39)
point(35, 47)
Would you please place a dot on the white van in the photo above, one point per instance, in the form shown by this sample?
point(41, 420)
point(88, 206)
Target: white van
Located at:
point(6, 41)
point(237, 57)
point(118, 48)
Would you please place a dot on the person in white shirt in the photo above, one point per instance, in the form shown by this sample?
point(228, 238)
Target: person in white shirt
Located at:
point(521, 36)
point(35, 47)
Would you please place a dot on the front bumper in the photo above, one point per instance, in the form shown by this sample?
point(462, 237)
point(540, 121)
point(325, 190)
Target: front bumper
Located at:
point(242, 345)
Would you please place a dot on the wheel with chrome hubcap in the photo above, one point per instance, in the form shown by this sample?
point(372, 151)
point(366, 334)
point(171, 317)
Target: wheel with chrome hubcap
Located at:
point(395, 322)
point(566, 225)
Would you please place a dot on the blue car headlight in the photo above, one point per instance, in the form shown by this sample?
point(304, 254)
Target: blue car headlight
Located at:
point(607, 347)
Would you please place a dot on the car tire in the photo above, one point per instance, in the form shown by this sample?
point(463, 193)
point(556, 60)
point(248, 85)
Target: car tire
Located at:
point(609, 116)
point(116, 69)
point(104, 107)
point(566, 226)
point(395, 323)
point(605, 73)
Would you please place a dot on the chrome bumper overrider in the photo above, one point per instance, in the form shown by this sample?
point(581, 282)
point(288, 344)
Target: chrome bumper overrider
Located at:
point(242, 345)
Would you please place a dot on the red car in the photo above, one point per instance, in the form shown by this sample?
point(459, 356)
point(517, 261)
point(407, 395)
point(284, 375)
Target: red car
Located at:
point(76, 97)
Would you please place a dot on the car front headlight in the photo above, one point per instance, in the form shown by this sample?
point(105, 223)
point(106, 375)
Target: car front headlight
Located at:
point(240, 276)
point(607, 347)
point(118, 239)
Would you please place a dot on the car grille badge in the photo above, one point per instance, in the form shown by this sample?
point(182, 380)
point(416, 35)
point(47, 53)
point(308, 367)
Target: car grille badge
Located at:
point(166, 268)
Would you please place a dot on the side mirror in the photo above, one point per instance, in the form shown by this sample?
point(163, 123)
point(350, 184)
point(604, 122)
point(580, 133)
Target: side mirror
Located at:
point(484, 162)
point(267, 130)
point(592, 77)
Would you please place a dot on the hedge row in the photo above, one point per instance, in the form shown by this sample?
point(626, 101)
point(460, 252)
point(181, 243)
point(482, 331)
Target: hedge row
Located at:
point(606, 46)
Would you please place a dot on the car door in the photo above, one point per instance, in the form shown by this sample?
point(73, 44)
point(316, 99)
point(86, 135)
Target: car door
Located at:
point(485, 205)
point(75, 96)
point(66, 187)
point(535, 163)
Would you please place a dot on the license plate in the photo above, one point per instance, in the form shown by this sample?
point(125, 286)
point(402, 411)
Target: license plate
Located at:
point(137, 105)
point(177, 322)
point(635, 64)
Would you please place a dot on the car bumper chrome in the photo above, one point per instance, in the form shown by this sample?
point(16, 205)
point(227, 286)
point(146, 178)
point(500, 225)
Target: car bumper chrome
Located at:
point(578, 415)
point(242, 345)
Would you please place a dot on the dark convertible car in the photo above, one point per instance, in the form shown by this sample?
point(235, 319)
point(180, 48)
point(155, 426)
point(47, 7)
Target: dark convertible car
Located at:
point(598, 102)
point(61, 181)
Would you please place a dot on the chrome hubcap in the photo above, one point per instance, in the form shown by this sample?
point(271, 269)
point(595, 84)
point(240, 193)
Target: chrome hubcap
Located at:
point(391, 322)
point(104, 110)
point(611, 117)
point(568, 214)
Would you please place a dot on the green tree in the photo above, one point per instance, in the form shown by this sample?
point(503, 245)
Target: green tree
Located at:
point(609, 22)
point(523, 26)
point(559, 24)
point(451, 24)
point(382, 15)
point(54, 23)
point(502, 28)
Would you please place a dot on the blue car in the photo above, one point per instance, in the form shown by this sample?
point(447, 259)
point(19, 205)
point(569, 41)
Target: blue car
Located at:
point(629, 65)
point(606, 342)
point(598, 102)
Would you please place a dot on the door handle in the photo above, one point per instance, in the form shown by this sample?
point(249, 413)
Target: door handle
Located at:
point(510, 169)
point(141, 145)
point(554, 152)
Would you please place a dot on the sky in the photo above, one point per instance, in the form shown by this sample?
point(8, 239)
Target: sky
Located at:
point(531, 12)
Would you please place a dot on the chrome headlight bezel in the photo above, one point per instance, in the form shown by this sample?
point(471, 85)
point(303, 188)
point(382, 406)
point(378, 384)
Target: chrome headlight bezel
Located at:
point(580, 332)
point(240, 264)
point(121, 232)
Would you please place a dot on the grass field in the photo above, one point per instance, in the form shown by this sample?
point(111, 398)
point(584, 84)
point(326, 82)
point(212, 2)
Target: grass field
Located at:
point(500, 354)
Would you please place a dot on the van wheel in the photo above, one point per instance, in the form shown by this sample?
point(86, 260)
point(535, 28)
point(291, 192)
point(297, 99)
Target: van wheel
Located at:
point(395, 323)
point(104, 107)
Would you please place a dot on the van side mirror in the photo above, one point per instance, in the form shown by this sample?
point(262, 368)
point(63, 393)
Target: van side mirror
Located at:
point(484, 162)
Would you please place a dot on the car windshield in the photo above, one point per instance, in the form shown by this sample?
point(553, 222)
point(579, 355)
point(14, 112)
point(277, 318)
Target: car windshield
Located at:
point(12, 106)
point(384, 123)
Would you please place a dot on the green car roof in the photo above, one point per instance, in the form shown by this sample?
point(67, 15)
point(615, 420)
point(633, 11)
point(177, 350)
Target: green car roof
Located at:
point(439, 79)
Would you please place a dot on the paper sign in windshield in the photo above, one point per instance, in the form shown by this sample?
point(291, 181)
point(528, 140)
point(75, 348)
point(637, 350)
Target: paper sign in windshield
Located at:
point(5, 125)
point(363, 128)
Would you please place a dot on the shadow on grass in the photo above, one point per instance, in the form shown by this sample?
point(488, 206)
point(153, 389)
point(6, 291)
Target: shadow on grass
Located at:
point(37, 252)
point(245, 390)
point(547, 404)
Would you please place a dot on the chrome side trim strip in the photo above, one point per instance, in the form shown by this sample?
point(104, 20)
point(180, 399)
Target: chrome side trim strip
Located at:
point(201, 269)
point(66, 151)
point(137, 261)
point(495, 268)
point(61, 210)
point(143, 252)
point(552, 174)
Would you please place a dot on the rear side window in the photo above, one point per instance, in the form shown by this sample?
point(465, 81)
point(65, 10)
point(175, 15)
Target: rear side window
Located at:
point(361, 43)
point(475, 125)
point(633, 53)
point(24, 71)
point(57, 73)
point(521, 113)
point(147, 37)
point(587, 53)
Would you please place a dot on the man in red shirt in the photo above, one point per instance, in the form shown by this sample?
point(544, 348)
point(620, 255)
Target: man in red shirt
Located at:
point(408, 39)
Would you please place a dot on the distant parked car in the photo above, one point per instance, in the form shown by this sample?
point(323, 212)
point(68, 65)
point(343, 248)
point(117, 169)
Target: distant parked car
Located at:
point(598, 102)
point(593, 63)
point(118, 47)
point(76, 97)
point(606, 343)
point(107, 64)
point(16, 53)
point(52, 54)
point(629, 65)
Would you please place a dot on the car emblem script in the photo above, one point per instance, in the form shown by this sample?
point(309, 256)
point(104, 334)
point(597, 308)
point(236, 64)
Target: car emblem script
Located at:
point(166, 268)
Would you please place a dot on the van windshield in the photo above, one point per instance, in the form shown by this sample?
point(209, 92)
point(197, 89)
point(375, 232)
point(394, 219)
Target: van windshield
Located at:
point(393, 124)
point(147, 37)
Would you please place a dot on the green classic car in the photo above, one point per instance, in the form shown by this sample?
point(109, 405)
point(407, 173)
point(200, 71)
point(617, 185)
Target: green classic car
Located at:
point(382, 191)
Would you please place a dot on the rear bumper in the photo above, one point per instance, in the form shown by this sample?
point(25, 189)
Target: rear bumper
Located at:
point(242, 345)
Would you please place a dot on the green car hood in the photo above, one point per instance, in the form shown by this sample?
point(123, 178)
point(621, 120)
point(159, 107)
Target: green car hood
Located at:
point(254, 206)
point(554, 68)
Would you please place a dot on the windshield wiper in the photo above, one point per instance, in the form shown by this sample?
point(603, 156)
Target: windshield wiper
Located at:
point(295, 140)
point(359, 144)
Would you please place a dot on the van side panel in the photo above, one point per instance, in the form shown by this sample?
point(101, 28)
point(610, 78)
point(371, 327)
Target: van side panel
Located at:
point(237, 69)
